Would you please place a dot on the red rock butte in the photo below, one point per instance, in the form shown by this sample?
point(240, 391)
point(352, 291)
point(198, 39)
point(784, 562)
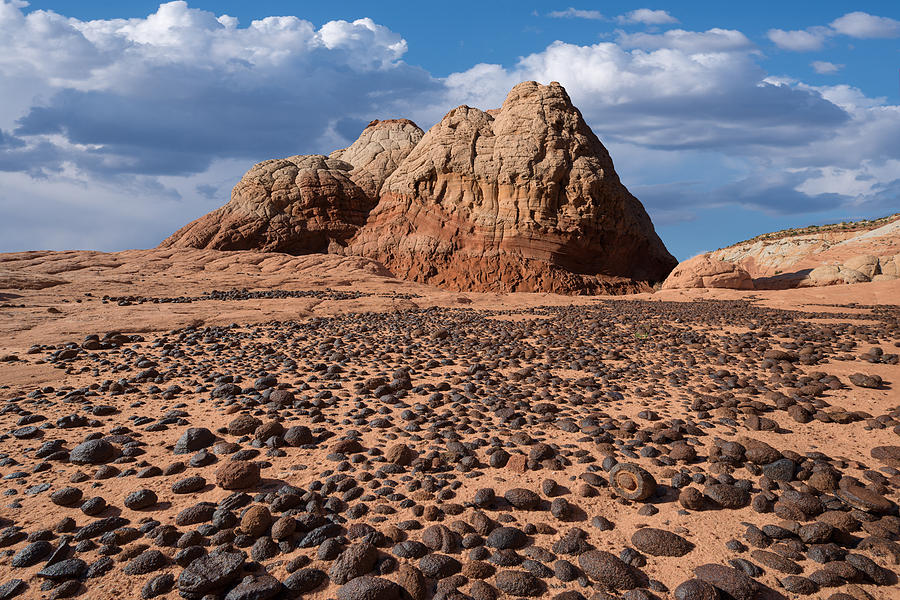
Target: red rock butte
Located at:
point(521, 198)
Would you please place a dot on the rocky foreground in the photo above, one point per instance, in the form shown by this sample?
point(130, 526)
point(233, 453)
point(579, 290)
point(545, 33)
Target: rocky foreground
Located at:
point(202, 424)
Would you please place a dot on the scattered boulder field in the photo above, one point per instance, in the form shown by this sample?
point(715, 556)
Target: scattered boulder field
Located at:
point(343, 434)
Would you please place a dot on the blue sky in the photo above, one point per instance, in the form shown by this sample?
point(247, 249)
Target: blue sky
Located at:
point(119, 122)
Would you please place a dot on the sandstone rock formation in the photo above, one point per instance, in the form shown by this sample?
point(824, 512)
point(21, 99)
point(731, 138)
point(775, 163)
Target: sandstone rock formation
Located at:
point(378, 151)
point(856, 269)
point(296, 205)
point(703, 271)
point(521, 198)
point(304, 204)
point(825, 255)
point(524, 199)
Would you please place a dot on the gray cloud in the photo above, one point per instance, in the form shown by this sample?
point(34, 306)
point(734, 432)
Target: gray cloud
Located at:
point(105, 110)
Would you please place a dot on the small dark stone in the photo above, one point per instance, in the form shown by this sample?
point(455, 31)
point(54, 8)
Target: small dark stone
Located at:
point(608, 570)
point(506, 537)
point(519, 583)
point(32, 554)
point(71, 568)
point(210, 573)
point(195, 438)
point(305, 580)
point(92, 452)
point(729, 580)
point(369, 588)
point(140, 499)
point(696, 589)
point(67, 496)
point(157, 586)
point(146, 562)
point(255, 587)
point(659, 542)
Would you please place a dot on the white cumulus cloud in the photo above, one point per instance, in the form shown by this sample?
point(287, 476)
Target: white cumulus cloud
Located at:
point(798, 40)
point(863, 25)
point(647, 16)
point(823, 67)
point(575, 13)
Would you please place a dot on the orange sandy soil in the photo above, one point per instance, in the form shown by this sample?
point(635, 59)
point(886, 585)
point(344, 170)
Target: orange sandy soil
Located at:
point(51, 298)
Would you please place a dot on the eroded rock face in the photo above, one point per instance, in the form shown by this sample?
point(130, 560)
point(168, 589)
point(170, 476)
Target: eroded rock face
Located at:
point(704, 271)
point(296, 205)
point(521, 198)
point(524, 199)
point(378, 151)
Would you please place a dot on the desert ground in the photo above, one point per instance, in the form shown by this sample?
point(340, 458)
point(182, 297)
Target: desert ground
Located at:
point(197, 423)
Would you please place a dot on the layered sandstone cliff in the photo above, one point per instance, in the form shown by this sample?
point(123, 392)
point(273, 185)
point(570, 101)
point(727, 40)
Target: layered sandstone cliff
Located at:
point(809, 257)
point(521, 198)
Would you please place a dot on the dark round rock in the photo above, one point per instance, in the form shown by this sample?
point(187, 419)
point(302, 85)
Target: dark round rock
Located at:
point(780, 470)
point(256, 587)
point(727, 496)
point(799, 585)
point(92, 452)
point(195, 438)
point(659, 542)
point(305, 580)
point(696, 589)
point(410, 549)
point(506, 537)
point(729, 580)
point(188, 485)
point(157, 586)
point(67, 496)
point(518, 583)
point(146, 562)
point(210, 573)
point(439, 566)
point(523, 499)
point(608, 570)
point(298, 435)
point(369, 588)
point(140, 499)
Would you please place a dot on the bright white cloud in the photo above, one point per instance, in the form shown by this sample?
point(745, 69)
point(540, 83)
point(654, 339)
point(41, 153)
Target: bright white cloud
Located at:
point(863, 25)
point(823, 67)
point(712, 40)
point(173, 91)
point(798, 40)
point(856, 24)
point(647, 17)
point(575, 13)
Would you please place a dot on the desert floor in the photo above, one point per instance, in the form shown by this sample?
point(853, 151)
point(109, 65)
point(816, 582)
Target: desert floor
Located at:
point(379, 412)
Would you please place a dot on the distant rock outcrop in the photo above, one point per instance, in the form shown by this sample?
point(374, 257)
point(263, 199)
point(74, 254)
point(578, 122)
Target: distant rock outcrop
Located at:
point(521, 198)
point(703, 271)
